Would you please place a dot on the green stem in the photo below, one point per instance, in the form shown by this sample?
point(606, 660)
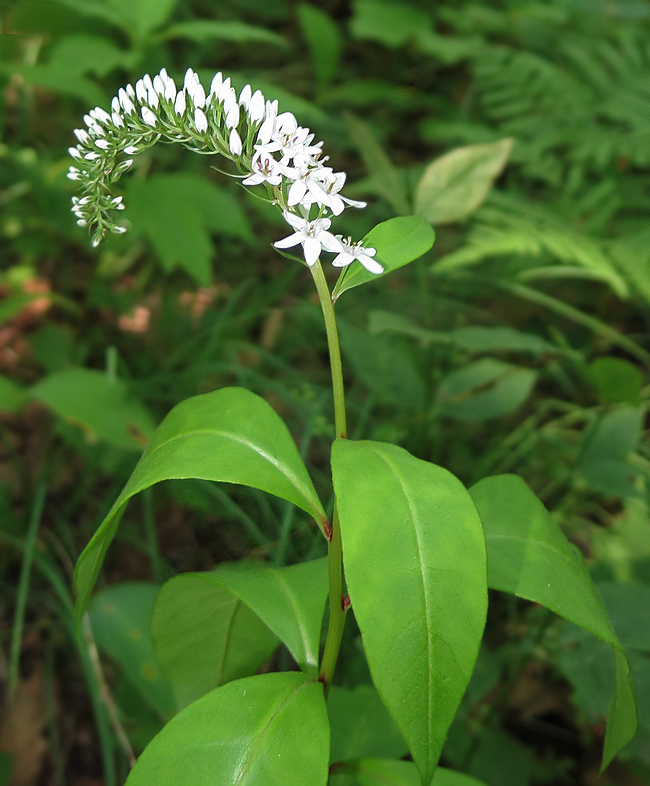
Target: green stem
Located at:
point(333, 345)
point(337, 612)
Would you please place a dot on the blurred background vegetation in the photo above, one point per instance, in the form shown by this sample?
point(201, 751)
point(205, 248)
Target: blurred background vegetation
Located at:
point(518, 344)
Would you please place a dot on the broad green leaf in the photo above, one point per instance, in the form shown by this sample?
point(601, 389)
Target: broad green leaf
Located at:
point(120, 618)
point(397, 241)
point(141, 17)
point(412, 543)
point(387, 179)
point(159, 205)
point(88, 54)
point(387, 772)
point(260, 731)
point(228, 435)
point(204, 636)
point(628, 606)
point(228, 30)
point(487, 388)
point(11, 396)
point(529, 556)
point(616, 380)
point(103, 408)
point(324, 40)
point(290, 600)
point(361, 725)
point(454, 185)
point(606, 447)
point(389, 23)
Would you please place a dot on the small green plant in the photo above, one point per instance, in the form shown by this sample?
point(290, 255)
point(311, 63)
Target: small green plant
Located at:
point(411, 551)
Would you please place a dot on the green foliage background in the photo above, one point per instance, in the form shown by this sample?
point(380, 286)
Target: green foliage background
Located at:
point(518, 344)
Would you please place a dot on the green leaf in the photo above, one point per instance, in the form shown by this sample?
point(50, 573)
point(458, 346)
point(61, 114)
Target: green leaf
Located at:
point(11, 396)
point(616, 380)
point(102, 407)
point(262, 730)
point(454, 185)
point(142, 17)
point(412, 544)
point(391, 24)
point(529, 556)
point(605, 450)
point(397, 241)
point(324, 40)
point(88, 54)
point(228, 435)
point(120, 618)
point(628, 606)
point(487, 388)
point(204, 636)
point(201, 30)
point(159, 205)
point(361, 726)
point(386, 772)
point(387, 179)
point(290, 600)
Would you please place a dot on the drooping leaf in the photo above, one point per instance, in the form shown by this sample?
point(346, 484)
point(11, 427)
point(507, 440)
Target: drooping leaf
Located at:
point(387, 772)
point(484, 389)
point(397, 241)
point(605, 450)
point(159, 205)
point(103, 408)
point(361, 726)
point(290, 600)
point(387, 179)
point(389, 23)
point(412, 543)
point(226, 30)
point(324, 40)
point(616, 380)
point(204, 636)
point(88, 54)
point(453, 186)
point(229, 435)
point(261, 730)
point(529, 556)
point(120, 618)
point(141, 17)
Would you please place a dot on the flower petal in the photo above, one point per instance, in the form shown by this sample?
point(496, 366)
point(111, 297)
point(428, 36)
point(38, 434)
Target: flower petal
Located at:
point(296, 192)
point(295, 221)
point(311, 248)
point(370, 264)
point(329, 242)
point(291, 240)
point(343, 259)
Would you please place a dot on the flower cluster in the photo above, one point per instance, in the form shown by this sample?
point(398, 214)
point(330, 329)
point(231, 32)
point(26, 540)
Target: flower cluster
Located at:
point(268, 148)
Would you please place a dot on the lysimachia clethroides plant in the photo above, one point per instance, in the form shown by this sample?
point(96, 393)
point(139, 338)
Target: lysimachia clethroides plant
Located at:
point(411, 551)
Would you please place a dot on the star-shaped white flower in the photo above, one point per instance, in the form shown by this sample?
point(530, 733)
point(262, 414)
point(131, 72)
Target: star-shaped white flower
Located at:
point(355, 251)
point(312, 235)
point(265, 170)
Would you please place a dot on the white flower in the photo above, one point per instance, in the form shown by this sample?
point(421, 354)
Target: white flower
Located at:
point(245, 96)
point(200, 121)
point(125, 101)
point(217, 81)
point(117, 120)
point(256, 107)
point(148, 116)
point(81, 135)
point(102, 144)
point(234, 143)
point(232, 116)
point(265, 170)
point(308, 182)
point(332, 183)
point(355, 251)
point(180, 103)
point(312, 235)
point(74, 152)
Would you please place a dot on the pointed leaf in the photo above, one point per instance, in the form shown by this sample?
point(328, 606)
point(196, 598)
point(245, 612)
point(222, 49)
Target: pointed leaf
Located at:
point(204, 636)
point(529, 556)
point(262, 730)
point(290, 600)
point(228, 435)
point(386, 772)
point(397, 241)
point(454, 185)
point(323, 39)
point(414, 559)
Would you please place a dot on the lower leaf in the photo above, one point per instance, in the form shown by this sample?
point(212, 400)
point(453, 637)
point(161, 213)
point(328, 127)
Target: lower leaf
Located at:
point(266, 730)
